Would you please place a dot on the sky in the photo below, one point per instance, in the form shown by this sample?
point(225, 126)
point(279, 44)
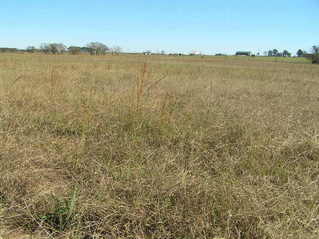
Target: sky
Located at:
point(207, 26)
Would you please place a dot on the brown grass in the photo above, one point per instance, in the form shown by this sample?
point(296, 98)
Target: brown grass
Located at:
point(158, 147)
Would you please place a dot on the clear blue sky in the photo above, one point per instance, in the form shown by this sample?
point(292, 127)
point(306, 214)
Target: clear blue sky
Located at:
point(209, 26)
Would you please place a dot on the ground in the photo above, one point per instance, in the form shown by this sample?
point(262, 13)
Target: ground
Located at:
point(136, 146)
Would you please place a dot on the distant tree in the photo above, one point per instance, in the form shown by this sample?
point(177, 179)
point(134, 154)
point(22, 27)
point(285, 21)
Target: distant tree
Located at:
point(97, 48)
point(313, 56)
point(286, 53)
point(57, 48)
point(44, 47)
point(53, 48)
point(275, 52)
point(315, 49)
point(116, 50)
point(31, 49)
point(74, 50)
point(300, 53)
point(270, 53)
point(315, 52)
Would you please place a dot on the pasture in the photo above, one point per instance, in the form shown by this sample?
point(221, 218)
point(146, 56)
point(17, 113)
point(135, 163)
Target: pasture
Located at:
point(134, 146)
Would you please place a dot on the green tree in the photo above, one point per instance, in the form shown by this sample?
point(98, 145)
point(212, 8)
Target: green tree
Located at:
point(286, 53)
point(315, 52)
point(270, 53)
point(300, 53)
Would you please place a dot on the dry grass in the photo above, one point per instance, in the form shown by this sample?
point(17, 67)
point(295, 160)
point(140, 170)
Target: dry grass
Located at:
point(158, 147)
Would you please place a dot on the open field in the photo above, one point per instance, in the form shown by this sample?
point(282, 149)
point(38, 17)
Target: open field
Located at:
point(158, 147)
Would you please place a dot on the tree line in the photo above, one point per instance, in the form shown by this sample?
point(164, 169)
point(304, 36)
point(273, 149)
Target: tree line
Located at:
point(93, 48)
point(98, 48)
point(313, 55)
point(275, 52)
point(285, 53)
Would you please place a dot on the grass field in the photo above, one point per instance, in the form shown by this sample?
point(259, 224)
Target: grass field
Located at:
point(158, 147)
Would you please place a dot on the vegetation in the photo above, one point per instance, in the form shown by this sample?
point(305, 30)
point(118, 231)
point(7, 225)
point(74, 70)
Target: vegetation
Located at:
point(276, 53)
point(158, 147)
point(54, 48)
point(97, 48)
point(313, 56)
point(300, 53)
point(315, 52)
